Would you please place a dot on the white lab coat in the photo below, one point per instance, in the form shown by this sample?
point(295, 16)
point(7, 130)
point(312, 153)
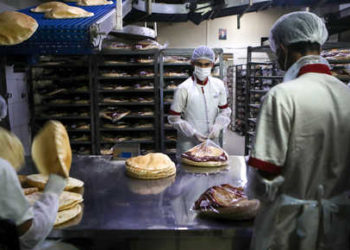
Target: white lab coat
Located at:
point(303, 134)
point(15, 207)
point(199, 105)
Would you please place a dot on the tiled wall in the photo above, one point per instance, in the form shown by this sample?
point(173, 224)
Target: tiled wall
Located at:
point(18, 106)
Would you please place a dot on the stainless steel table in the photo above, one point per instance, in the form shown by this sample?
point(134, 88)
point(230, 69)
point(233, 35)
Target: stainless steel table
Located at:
point(116, 205)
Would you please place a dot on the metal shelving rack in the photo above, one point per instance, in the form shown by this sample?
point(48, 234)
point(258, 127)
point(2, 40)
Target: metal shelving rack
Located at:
point(61, 88)
point(240, 98)
point(340, 64)
point(261, 76)
point(167, 87)
point(133, 93)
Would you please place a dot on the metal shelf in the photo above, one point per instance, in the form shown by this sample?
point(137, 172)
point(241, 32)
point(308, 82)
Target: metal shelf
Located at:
point(72, 142)
point(257, 106)
point(72, 130)
point(252, 120)
point(335, 61)
point(176, 64)
point(343, 78)
point(267, 77)
point(125, 129)
point(127, 104)
point(128, 52)
point(126, 78)
point(128, 142)
point(260, 91)
point(62, 118)
point(175, 77)
point(127, 91)
point(63, 105)
point(125, 64)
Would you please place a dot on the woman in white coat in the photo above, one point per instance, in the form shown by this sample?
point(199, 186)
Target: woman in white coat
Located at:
point(199, 110)
point(300, 160)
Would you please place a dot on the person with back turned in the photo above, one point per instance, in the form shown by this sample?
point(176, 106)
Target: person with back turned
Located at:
point(299, 165)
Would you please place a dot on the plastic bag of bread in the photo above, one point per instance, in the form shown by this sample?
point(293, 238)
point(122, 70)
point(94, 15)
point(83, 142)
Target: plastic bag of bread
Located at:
point(206, 154)
point(226, 202)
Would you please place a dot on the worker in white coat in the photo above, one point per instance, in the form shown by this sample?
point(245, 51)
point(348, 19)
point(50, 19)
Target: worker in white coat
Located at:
point(34, 223)
point(300, 160)
point(199, 110)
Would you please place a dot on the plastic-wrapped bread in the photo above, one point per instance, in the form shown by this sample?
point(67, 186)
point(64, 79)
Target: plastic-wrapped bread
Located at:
point(226, 202)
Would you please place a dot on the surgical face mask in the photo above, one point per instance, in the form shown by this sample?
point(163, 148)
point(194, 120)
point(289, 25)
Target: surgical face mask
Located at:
point(202, 73)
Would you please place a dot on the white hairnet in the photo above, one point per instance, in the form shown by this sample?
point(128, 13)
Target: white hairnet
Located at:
point(203, 52)
point(299, 26)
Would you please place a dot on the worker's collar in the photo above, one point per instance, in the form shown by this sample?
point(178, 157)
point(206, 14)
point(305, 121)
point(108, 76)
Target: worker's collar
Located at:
point(200, 82)
point(307, 64)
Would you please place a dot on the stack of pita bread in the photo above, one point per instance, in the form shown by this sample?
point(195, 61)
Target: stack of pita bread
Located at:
point(150, 166)
point(69, 205)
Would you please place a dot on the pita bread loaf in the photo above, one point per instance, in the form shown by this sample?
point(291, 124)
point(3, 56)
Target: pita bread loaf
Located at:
point(150, 166)
point(16, 27)
point(67, 215)
point(205, 156)
point(94, 2)
point(66, 200)
point(66, 12)
point(39, 180)
point(45, 7)
point(51, 149)
point(11, 148)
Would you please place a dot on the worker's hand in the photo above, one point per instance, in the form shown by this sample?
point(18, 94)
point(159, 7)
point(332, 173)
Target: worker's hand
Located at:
point(199, 137)
point(214, 132)
point(3, 108)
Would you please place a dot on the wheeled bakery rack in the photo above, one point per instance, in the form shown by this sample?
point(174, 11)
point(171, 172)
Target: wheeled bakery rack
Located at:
point(240, 97)
point(338, 56)
point(174, 68)
point(62, 89)
point(261, 76)
point(112, 98)
point(127, 83)
point(230, 83)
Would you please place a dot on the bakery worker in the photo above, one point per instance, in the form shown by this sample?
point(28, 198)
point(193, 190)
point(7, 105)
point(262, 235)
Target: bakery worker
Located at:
point(199, 109)
point(34, 223)
point(300, 161)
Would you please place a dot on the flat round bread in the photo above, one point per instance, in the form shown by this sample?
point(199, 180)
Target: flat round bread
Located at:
point(205, 156)
point(51, 149)
point(39, 180)
point(67, 215)
point(94, 2)
point(66, 12)
point(11, 148)
point(150, 166)
point(45, 7)
point(16, 27)
point(66, 200)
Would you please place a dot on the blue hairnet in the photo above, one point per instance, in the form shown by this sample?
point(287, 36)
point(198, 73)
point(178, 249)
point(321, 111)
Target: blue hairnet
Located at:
point(203, 52)
point(299, 26)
